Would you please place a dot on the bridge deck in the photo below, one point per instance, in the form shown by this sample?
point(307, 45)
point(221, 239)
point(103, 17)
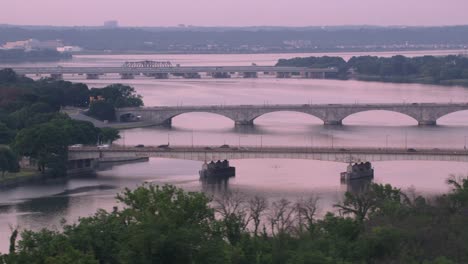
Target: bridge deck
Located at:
point(186, 69)
point(338, 154)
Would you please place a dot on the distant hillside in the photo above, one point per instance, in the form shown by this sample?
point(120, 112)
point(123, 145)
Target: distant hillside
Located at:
point(247, 40)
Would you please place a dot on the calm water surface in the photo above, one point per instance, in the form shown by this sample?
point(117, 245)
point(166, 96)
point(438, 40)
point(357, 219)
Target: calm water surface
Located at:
point(45, 205)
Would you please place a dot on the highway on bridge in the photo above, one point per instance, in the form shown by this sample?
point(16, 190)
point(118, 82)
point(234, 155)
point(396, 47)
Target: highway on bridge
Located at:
point(213, 153)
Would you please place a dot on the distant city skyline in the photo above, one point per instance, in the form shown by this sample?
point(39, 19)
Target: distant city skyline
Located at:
point(235, 13)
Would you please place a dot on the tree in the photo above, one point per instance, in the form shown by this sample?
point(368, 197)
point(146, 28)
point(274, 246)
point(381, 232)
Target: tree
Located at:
point(257, 207)
point(8, 76)
point(47, 143)
point(119, 95)
point(377, 198)
point(6, 134)
point(108, 134)
point(77, 94)
point(8, 161)
point(102, 110)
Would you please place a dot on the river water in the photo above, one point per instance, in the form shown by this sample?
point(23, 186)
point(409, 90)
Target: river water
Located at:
point(37, 206)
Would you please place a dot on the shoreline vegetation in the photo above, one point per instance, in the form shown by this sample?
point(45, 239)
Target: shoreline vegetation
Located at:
point(379, 224)
point(17, 56)
point(32, 125)
point(439, 70)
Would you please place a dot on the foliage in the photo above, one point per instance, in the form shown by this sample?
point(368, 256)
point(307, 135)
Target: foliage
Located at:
point(102, 110)
point(8, 161)
point(108, 134)
point(119, 95)
point(6, 134)
point(450, 70)
point(168, 225)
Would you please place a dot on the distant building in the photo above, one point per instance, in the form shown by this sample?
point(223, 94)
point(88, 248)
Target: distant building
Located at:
point(111, 24)
point(69, 49)
point(33, 44)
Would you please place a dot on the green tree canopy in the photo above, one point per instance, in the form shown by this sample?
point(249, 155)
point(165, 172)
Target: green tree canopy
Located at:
point(8, 161)
point(108, 134)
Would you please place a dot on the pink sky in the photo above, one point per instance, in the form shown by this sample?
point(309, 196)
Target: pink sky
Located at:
point(234, 13)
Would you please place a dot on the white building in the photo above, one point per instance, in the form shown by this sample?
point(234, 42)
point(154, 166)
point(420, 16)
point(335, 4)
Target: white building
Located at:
point(69, 49)
point(33, 44)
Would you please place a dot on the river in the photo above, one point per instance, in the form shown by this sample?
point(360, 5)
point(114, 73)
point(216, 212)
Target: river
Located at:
point(37, 206)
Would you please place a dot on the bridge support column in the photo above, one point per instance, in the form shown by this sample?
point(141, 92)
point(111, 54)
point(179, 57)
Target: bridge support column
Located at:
point(127, 76)
point(333, 122)
point(56, 76)
point(220, 75)
point(244, 123)
point(167, 123)
point(191, 75)
point(161, 75)
point(427, 122)
point(283, 75)
point(250, 75)
point(92, 76)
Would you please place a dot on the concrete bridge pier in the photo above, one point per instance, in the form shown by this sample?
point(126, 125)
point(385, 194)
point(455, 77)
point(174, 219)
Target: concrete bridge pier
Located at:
point(220, 75)
point(244, 122)
point(250, 74)
point(92, 76)
point(427, 122)
point(56, 76)
point(161, 75)
point(167, 123)
point(191, 75)
point(333, 122)
point(313, 75)
point(283, 75)
point(127, 76)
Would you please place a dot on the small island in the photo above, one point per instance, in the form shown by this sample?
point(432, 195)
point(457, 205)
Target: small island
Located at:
point(444, 70)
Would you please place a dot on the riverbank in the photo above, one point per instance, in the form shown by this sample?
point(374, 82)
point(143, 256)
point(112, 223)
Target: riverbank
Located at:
point(22, 177)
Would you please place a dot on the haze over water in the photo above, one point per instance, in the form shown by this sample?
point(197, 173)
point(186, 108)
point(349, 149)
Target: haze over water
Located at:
point(37, 206)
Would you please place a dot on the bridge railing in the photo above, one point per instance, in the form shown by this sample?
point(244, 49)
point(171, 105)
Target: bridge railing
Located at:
point(300, 106)
point(274, 149)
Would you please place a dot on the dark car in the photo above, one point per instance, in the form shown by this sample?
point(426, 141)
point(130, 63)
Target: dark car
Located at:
point(140, 146)
point(164, 146)
point(224, 146)
point(411, 150)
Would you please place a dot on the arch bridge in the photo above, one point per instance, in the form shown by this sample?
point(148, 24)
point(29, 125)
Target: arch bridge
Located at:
point(330, 114)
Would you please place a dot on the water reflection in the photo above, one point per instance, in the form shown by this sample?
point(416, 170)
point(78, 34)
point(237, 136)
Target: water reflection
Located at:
point(215, 185)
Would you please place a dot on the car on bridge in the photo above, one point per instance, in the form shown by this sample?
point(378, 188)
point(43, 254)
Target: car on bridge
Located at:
point(224, 146)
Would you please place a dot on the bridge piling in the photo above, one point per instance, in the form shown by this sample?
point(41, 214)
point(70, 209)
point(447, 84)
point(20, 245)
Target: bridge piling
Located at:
point(244, 122)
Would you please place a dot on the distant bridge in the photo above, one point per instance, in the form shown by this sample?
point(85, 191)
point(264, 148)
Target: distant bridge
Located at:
point(162, 70)
point(330, 114)
point(211, 153)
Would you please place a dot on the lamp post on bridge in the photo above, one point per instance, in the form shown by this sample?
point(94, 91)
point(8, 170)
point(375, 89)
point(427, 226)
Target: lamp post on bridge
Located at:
point(386, 142)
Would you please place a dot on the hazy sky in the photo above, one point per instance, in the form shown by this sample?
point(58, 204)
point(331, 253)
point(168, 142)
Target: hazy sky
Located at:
point(234, 12)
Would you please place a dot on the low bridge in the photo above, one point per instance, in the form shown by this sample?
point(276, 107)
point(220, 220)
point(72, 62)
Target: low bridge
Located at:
point(210, 153)
point(130, 70)
point(330, 114)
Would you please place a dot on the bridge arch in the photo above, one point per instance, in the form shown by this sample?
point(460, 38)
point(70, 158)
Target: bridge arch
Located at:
point(451, 118)
point(209, 115)
point(289, 114)
point(406, 119)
